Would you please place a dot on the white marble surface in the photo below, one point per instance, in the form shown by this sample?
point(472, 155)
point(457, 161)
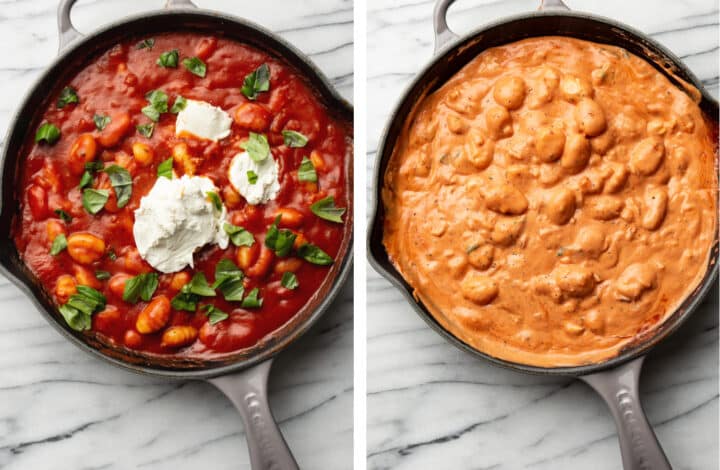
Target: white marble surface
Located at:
point(431, 406)
point(61, 409)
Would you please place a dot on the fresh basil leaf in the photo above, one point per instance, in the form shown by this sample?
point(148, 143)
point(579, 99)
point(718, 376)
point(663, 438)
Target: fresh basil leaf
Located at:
point(307, 172)
point(199, 286)
point(252, 300)
point(314, 255)
point(102, 275)
point(214, 314)
point(121, 182)
point(67, 95)
point(75, 318)
point(146, 129)
point(142, 286)
point(165, 169)
point(238, 235)
point(111, 254)
point(325, 209)
point(101, 121)
point(47, 132)
point(294, 139)
point(289, 280)
point(63, 215)
point(169, 59)
point(195, 66)
point(252, 177)
point(58, 244)
point(184, 300)
point(79, 308)
point(158, 104)
point(279, 240)
point(215, 200)
point(178, 105)
point(228, 278)
point(94, 200)
point(86, 180)
point(146, 43)
point(232, 289)
point(94, 166)
point(257, 147)
point(256, 82)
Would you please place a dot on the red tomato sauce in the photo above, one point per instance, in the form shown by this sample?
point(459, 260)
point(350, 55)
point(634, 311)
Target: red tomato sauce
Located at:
point(116, 84)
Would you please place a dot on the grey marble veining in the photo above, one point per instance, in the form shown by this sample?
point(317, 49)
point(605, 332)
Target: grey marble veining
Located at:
point(431, 406)
point(61, 409)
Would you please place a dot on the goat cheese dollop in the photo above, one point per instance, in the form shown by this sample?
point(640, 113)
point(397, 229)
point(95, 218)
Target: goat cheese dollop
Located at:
point(203, 120)
point(264, 173)
point(175, 219)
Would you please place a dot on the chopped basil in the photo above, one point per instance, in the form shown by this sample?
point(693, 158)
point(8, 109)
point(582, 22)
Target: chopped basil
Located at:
point(165, 169)
point(146, 43)
point(289, 280)
point(252, 177)
point(325, 209)
point(158, 100)
point(94, 200)
point(101, 121)
point(67, 95)
point(121, 182)
point(86, 179)
point(214, 314)
point(215, 200)
point(142, 286)
point(256, 82)
point(314, 255)
point(195, 66)
point(228, 278)
point(178, 105)
point(294, 139)
point(238, 235)
point(307, 172)
point(191, 292)
point(80, 307)
point(252, 300)
point(94, 166)
point(279, 240)
point(102, 275)
point(47, 132)
point(146, 129)
point(257, 147)
point(111, 254)
point(169, 59)
point(58, 244)
point(63, 215)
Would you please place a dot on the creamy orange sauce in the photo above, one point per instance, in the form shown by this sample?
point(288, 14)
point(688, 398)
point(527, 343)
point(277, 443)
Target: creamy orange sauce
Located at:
point(552, 201)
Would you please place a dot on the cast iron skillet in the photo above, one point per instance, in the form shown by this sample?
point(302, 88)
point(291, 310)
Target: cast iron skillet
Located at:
point(616, 379)
point(243, 375)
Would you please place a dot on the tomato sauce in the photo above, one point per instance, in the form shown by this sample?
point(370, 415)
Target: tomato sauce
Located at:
point(115, 84)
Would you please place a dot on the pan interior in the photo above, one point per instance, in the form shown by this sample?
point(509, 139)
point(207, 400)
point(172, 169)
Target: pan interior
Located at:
point(447, 64)
point(77, 56)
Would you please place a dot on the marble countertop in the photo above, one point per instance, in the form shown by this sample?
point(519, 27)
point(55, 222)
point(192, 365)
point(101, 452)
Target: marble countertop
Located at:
point(62, 409)
point(431, 406)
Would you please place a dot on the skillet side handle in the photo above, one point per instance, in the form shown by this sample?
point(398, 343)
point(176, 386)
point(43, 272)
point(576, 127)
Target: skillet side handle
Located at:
point(247, 390)
point(443, 35)
point(180, 4)
point(66, 31)
point(619, 388)
point(553, 5)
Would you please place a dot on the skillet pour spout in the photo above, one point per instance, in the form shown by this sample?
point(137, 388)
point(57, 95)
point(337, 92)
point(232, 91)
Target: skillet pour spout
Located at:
point(615, 379)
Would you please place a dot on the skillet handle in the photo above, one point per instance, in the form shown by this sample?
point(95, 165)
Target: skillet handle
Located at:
point(619, 388)
point(443, 35)
point(553, 5)
point(247, 390)
point(66, 31)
